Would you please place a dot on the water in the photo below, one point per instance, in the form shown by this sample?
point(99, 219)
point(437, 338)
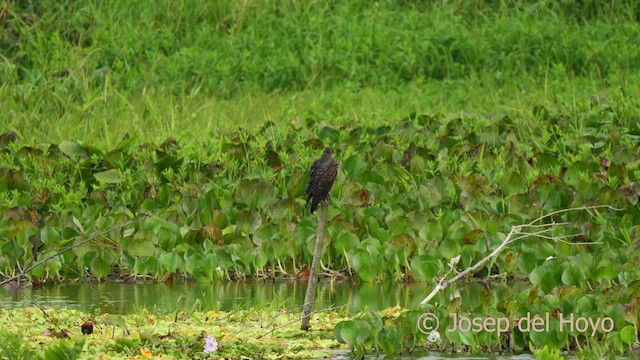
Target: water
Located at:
point(123, 298)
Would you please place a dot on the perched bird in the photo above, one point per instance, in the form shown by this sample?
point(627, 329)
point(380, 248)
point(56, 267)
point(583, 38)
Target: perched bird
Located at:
point(323, 174)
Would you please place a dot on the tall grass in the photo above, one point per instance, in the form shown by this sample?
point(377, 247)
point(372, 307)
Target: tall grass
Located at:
point(94, 69)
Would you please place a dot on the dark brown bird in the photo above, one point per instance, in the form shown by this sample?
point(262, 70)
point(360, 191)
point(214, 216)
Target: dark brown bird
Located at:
point(323, 174)
point(87, 328)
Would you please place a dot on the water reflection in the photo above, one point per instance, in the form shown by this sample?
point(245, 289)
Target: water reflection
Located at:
point(120, 298)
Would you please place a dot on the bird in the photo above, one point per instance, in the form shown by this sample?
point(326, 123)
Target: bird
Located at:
point(321, 178)
point(87, 328)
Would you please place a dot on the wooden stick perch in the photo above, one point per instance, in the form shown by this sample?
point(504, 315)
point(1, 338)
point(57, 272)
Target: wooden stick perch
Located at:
point(313, 277)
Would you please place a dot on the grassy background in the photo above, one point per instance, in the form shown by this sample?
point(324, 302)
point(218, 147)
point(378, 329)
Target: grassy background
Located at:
point(94, 70)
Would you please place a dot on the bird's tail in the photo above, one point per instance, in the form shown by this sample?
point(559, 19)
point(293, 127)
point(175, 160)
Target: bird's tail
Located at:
point(307, 203)
point(314, 204)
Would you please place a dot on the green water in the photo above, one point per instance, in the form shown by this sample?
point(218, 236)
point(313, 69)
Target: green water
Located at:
point(121, 298)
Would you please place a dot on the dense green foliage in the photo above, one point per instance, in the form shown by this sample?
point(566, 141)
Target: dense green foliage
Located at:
point(93, 70)
point(240, 334)
point(403, 203)
point(218, 47)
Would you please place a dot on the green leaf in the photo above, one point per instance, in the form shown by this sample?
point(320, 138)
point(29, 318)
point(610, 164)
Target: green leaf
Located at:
point(140, 244)
point(424, 267)
point(346, 332)
point(255, 193)
point(389, 340)
point(607, 270)
point(264, 234)
point(112, 176)
point(170, 261)
point(615, 341)
point(126, 142)
point(195, 263)
point(13, 251)
point(628, 334)
point(248, 221)
point(73, 149)
point(345, 241)
point(99, 267)
point(449, 248)
point(259, 259)
point(49, 235)
point(114, 320)
point(363, 264)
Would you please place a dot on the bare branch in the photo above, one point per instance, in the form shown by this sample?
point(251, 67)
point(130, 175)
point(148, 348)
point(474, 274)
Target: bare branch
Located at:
point(546, 236)
point(587, 208)
point(65, 249)
point(515, 230)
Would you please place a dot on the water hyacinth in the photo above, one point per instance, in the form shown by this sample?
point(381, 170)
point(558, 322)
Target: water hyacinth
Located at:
point(211, 344)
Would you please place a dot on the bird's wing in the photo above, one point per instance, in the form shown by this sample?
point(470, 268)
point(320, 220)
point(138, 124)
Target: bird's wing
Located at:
point(312, 171)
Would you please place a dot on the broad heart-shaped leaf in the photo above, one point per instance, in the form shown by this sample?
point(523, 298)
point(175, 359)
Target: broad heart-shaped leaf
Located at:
point(607, 270)
point(12, 251)
point(345, 241)
point(170, 261)
point(259, 259)
point(112, 176)
point(195, 263)
point(255, 193)
point(295, 185)
point(99, 267)
point(53, 266)
point(551, 279)
point(375, 321)
point(140, 244)
point(145, 265)
point(263, 234)
point(575, 274)
point(578, 171)
point(248, 221)
point(424, 267)
point(346, 332)
point(429, 195)
point(352, 332)
point(73, 149)
point(615, 341)
point(167, 161)
point(390, 341)
point(364, 265)
point(628, 335)
point(382, 151)
point(544, 331)
point(513, 183)
point(458, 231)
point(354, 195)
point(353, 166)
point(527, 262)
point(329, 133)
point(449, 248)
point(430, 233)
point(114, 320)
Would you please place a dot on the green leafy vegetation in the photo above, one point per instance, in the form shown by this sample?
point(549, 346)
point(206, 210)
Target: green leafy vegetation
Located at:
point(95, 71)
point(264, 333)
point(403, 204)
